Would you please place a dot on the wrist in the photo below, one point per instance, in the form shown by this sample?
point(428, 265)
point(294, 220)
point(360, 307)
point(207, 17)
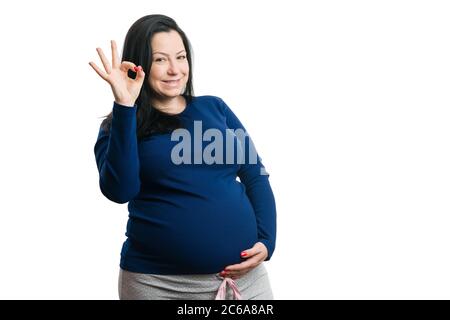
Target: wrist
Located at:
point(128, 104)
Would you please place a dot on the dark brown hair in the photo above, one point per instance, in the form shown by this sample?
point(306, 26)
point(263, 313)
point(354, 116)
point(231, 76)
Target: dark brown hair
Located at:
point(137, 49)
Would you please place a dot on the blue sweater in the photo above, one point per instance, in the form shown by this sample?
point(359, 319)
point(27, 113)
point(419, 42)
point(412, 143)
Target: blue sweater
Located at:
point(188, 218)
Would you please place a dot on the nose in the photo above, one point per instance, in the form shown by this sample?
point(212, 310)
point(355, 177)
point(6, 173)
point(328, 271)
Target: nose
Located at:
point(173, 68)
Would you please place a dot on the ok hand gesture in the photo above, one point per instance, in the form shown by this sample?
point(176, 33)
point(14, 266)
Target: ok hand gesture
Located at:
point(125, 89)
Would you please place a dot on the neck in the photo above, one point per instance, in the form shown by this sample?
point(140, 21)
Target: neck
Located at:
point(171, 105)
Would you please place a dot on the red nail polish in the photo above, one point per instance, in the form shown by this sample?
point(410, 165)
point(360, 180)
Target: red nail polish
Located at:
point(135, 69)
point(243, 254)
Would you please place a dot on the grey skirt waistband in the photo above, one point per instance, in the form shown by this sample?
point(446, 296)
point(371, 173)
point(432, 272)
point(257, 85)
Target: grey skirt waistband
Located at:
point(254, 285)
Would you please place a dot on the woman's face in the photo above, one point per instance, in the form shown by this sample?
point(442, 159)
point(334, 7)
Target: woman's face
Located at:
point(169, 72)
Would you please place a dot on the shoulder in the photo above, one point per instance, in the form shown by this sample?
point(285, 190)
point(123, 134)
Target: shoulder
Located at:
point(211, 101)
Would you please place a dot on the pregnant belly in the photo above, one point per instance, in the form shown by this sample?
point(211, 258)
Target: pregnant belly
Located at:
point(200, 238)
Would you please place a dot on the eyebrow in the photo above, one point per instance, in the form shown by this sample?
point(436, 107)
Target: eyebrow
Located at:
point(166, 53)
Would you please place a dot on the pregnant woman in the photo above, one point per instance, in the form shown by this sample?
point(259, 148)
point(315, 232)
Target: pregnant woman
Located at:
point(194, 231)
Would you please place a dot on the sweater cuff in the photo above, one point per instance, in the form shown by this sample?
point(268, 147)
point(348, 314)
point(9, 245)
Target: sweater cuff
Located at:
point(122, 110)
point(123, 117)
point(124, 121)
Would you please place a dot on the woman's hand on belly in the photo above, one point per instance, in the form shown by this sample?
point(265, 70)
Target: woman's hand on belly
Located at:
point(253, 256)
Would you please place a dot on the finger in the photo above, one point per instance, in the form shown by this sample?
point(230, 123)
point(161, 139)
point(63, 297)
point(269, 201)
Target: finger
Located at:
point(253, 251)
point(104, 60)
point(238, 272)
point(115, 55)
point(239, 275)
point(140, 75)
point(241, 266)
point(127, 65)
point(248, 253)
point(99, 72)
point(234, 274)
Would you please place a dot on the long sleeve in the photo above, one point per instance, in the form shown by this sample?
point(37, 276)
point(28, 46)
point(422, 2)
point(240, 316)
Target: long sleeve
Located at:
point(116, 154)
point(258, 189)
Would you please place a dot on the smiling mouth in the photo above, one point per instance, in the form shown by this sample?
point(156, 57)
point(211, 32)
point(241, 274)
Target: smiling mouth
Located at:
point(172, 82)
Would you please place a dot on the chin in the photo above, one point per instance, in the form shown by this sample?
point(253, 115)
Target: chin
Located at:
point(171, 93)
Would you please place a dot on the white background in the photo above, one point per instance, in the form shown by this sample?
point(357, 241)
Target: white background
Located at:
point(347, 103)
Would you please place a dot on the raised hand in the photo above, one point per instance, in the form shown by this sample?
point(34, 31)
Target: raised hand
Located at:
point(125, 89)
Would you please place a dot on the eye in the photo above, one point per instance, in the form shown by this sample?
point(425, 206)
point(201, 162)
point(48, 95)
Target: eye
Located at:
point(159, 59)
point(182, 57)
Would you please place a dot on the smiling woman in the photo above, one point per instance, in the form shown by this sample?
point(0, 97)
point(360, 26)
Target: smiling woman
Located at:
point(193, 228)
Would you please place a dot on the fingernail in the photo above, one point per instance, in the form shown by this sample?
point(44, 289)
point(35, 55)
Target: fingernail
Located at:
point(136, 69)
point(243, 253)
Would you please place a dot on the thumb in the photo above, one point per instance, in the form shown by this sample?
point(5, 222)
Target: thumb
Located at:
point(250, 252)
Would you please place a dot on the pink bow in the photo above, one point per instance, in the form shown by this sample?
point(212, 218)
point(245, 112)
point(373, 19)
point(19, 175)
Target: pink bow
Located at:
point(223, 289)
